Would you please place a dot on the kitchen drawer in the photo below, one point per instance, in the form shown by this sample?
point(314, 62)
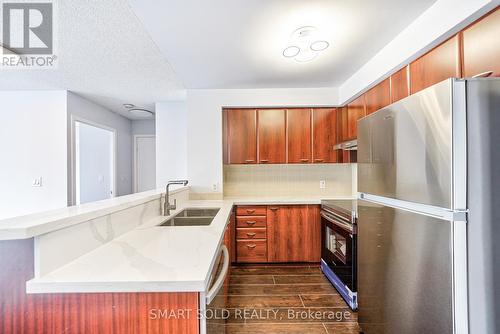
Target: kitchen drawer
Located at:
point(251, 210)
point(251, 221)
point(251, 251)
point(251, 233)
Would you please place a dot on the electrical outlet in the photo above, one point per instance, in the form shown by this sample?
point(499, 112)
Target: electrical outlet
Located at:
point(37, 182)
point(322, 184)
point(215, 187)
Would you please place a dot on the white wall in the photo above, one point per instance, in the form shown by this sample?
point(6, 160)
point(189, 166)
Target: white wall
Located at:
point(204, 133)
point(32, 144)
point(143, 127)
point(94, 163)
point(171, 142)
point(90, 111)
point(441, 21)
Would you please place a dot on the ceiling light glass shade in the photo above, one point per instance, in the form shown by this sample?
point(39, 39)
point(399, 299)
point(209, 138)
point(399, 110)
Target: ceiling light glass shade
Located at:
point(141, 112)
point(319, 45)
point(291, 51)
point(306, 55)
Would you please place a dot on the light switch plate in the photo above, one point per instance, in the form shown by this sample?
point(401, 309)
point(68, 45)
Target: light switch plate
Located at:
point(322, 184)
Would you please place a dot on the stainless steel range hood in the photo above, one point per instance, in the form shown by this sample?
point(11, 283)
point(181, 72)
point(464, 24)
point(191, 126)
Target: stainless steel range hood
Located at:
point(351, 145)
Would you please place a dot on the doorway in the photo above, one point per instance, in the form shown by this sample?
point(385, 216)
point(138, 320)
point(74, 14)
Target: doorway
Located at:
point(94, 162)
point(144, 162)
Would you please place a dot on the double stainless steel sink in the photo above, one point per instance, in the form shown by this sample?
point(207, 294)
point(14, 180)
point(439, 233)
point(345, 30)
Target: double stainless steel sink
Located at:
point(192, 217)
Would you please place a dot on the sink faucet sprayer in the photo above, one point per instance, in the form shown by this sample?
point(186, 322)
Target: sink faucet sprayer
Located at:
point(167, 206)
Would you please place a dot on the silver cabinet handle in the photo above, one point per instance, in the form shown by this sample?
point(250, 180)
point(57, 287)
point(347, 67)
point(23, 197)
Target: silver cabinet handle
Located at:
point(483, 75)
point(219, 282)
point(251, 246)
point(249, 161)
point(251, 223)
point(251, 234)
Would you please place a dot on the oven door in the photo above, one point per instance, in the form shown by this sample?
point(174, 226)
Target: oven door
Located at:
point(338, 248)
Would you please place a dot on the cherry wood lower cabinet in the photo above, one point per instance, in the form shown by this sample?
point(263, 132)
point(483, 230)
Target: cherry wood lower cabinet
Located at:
point(84, 313)
point(294, 233)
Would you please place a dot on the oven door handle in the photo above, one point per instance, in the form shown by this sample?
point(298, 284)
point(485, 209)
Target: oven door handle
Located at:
point(343, 226)
point(219, 282)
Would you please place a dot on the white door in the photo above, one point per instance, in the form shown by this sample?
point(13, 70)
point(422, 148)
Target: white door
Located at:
point(145, 163)
point(94, 163)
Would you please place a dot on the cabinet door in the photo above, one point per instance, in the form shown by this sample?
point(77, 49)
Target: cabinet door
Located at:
point(355, 111)
point(299, 135)
point(378, 97)
point(482, 47)
point(324, 135)
point(272, 136)
point(294, 234)
point(439, 64)
point(400, 84)
point(242, 133)
point(342, 124)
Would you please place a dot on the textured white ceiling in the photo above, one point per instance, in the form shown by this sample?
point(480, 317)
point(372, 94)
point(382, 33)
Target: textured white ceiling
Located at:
point(239, 43)
point(104, 54)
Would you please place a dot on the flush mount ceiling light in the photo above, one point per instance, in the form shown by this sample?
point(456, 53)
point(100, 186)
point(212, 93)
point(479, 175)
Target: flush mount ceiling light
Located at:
point(305, 45)
point(128, 105)
point(141, 112)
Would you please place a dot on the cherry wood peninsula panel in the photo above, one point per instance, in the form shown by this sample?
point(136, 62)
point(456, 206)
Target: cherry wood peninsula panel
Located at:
point(83, 313)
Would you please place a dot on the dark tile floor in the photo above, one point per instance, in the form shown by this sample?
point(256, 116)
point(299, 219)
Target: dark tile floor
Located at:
point(286, 299)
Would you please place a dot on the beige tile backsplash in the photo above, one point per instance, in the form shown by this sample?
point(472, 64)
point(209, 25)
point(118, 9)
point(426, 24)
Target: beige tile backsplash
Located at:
point(290, 180)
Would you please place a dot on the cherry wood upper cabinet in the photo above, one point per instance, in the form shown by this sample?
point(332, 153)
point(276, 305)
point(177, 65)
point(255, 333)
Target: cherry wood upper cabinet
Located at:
point(482, 47)
point(242, 136)
point(342, 124)
point(294, 233)
point(299, 135)
point(324, 134)
point(400, 84)
point(441, 63)
point(355, 111)
point(272, 136)
point(378, 97)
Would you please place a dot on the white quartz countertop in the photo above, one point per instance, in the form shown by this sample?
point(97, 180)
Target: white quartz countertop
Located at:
point(29, 226)
point(152, 258)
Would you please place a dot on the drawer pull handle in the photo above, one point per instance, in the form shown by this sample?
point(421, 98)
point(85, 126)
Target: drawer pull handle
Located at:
point(264, 160)
point(251, 234)
point(251, 246)
point(249, 161)
point(304, 160)
point(318, 160)
point(250, 211)
point(251, 222)
point(273, 209)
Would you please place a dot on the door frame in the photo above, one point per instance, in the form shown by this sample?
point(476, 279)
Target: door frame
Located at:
point(135, 158)
point(73, 187)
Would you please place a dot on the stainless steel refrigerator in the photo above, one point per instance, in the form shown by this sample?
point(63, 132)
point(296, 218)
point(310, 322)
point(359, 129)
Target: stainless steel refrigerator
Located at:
point(428, 226)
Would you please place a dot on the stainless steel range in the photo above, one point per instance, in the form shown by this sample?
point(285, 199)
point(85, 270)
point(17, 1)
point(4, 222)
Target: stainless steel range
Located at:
point(339, 247)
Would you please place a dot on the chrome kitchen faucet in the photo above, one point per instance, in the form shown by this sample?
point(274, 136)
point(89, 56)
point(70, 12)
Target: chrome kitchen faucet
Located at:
point(167, 206)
